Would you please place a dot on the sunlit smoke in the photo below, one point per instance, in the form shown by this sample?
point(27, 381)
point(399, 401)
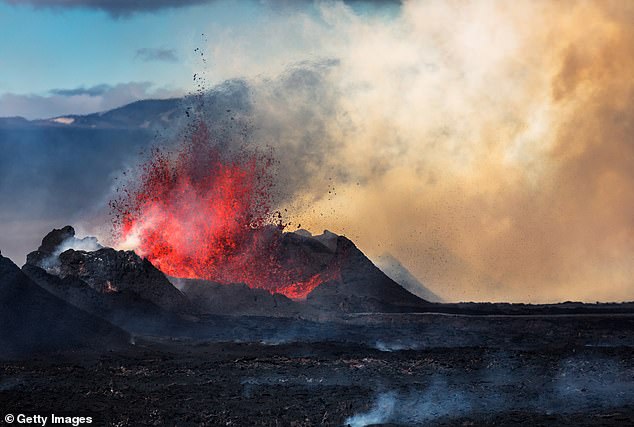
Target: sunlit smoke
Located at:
point(486, 145)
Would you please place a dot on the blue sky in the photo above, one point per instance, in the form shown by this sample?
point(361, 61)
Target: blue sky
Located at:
point(47, 51)
point(42, 49)
point(50, 47)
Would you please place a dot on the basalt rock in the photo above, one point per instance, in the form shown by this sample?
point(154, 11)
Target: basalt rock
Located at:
point(110, 271)
point(125, 308)
point(106, 271)
point(349, 282)
point(359, 286)
point(120, 284)
point(49, 245)
point(237, 299)
point(32, 320)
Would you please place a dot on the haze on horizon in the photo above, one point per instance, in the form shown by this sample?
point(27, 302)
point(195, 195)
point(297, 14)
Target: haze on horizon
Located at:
point(488, 146)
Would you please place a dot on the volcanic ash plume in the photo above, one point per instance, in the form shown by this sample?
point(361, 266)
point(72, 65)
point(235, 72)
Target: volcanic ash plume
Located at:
point(486, 145)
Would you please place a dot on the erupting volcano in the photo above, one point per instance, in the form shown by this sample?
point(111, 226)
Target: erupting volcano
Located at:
point(205, 212)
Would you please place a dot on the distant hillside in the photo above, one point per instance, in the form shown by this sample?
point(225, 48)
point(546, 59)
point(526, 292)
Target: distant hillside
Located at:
point(396, 271)
point(144, 114)
point(219, 105)
point(140, 114)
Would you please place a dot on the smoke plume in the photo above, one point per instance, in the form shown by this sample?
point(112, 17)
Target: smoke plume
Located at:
point(486, 145)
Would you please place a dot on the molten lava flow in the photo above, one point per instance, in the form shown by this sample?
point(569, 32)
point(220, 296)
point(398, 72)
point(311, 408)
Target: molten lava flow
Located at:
point(205, 213)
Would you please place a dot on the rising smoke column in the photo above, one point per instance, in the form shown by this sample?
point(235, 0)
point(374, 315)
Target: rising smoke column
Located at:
point(486, 145)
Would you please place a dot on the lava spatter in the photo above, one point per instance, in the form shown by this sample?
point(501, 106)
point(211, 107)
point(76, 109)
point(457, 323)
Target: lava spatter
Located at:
point(203, 212)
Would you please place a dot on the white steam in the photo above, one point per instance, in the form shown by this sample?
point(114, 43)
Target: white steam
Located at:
point(87, 244)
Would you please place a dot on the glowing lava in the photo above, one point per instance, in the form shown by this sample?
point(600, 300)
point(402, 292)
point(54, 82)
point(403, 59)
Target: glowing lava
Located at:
point(203, 212)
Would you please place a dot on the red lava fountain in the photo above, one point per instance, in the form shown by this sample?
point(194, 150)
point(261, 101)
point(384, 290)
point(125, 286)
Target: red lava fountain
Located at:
point(204, 212)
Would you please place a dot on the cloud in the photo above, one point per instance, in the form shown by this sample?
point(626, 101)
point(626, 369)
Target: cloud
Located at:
point(91, 91)
point(156, 54)
point(114, 7)
point(79, 100)
point(119, 8)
